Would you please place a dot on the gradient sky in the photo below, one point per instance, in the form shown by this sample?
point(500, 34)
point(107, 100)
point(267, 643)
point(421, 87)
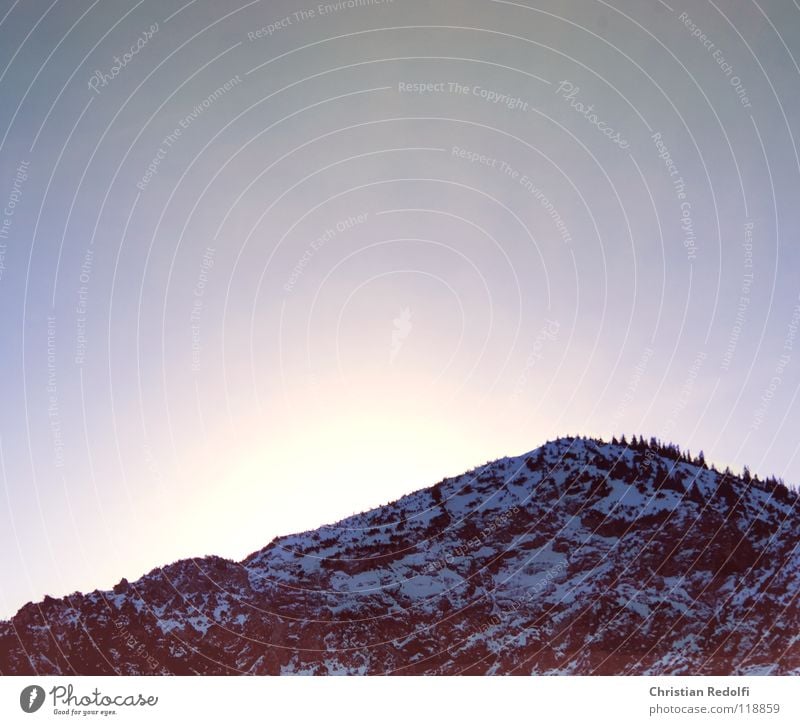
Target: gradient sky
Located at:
point(340, 286)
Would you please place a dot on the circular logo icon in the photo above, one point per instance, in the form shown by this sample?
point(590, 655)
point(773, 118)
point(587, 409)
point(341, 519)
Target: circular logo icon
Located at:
point(31, 698)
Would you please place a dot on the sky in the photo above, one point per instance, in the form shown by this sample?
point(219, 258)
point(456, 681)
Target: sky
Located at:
point(267, 264)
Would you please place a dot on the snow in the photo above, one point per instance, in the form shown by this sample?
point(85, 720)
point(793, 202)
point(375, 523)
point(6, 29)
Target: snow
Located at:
point(200, 623)
point(423, 586)
point(511, 574)
point(166, 625)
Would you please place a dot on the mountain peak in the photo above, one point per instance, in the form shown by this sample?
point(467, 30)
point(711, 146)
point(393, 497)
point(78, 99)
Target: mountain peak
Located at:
point(581, 556)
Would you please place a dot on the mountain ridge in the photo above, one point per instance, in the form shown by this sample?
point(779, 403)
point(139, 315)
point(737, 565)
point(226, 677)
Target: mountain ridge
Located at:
point(579, 557)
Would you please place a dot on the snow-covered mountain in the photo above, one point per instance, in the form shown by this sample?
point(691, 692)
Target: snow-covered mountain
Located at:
point(581, 557)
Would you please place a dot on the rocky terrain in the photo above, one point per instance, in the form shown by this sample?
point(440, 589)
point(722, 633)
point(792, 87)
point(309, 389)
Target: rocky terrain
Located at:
point(580, 557)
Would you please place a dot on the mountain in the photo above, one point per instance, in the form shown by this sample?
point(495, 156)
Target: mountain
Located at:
point(581, 557)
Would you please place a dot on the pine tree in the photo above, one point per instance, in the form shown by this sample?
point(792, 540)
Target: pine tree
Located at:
point(695, 495)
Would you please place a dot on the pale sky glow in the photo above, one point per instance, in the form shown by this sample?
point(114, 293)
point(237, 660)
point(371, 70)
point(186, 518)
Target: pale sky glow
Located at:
point(251, 285)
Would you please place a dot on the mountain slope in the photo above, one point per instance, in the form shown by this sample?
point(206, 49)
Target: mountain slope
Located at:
point(581, 557)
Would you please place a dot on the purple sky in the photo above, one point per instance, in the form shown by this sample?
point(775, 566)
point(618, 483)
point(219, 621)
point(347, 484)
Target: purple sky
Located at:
point(262, 267)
